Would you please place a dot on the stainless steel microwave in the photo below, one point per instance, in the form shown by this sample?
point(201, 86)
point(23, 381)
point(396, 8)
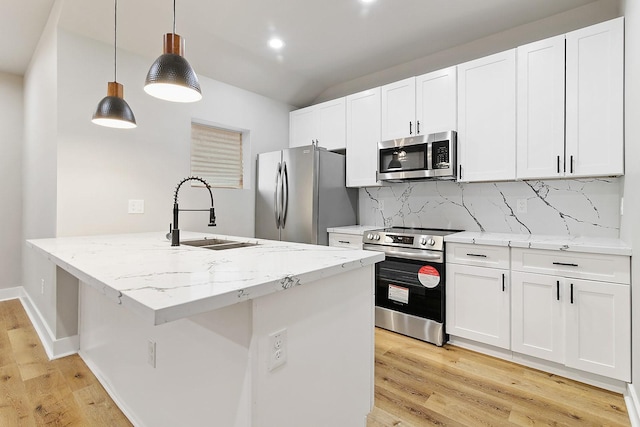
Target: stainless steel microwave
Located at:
point(418, 157)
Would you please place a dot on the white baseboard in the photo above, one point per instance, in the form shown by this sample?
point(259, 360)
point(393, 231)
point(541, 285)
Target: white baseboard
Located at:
point(12, 293)
point(55, 348)
point(633, 405)
point(617, 386)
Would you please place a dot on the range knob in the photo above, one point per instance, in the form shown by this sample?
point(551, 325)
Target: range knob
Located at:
point(431, 242)
point(370, 236)
point(425, 241)
point(376, 237)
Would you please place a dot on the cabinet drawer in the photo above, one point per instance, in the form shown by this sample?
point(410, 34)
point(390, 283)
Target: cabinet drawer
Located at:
point(345, 240)
point(480, 255)
point(600, 267)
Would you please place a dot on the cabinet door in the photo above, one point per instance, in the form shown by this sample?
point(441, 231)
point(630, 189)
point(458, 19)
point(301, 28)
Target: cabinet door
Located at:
point(477, 302)
point(302, 127)
point(436, 101)
point(540, 124)
point(537, 315)
point(595, 77)
point(598, 328)
point(363, 135)
point(487, 118)
point(332, 124)
point(398, 109)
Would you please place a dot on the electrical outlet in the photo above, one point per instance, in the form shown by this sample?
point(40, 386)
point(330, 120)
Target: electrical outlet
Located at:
point(277, 349)
point(151, 353)
point(522, 206)
point(136, 206)
point(42, 286)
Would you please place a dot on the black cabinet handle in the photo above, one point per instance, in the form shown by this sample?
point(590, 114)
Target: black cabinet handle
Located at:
point(460, 174)
point(558, 290)
point(417, 127)
point(478, 255)
point(572, 293)
point(571, 164)
point(343, 241)
point(565, 264)
point(558, 164)
point(503, 279)
point(410, 124)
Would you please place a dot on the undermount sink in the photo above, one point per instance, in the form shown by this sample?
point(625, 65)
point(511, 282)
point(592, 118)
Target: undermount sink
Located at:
point(216, 244)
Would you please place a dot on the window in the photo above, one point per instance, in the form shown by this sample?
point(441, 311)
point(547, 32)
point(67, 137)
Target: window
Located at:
point(216, 155)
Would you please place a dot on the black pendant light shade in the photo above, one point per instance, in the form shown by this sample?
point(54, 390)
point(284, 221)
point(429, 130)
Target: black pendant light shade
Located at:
point(171, 77)
point(113, 111)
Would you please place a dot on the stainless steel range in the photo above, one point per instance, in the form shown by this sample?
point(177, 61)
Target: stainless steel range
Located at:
point(410, 282)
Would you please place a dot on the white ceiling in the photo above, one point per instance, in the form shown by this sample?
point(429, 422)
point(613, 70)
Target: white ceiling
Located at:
point(327, 41)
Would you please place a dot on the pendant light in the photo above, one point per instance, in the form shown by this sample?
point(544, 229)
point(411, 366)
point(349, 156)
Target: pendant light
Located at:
point(171, 77)
point(113, 111)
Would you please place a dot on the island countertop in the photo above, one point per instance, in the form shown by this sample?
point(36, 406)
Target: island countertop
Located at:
point(163, 283)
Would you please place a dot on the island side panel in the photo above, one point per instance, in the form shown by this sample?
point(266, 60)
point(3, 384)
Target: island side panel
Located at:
point(327, 379)
point(202, 374)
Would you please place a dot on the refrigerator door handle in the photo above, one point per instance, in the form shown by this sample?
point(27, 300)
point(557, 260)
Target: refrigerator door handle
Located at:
point(276, 196)
point(285, 194)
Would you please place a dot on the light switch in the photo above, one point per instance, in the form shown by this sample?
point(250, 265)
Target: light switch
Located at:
point(136, 206)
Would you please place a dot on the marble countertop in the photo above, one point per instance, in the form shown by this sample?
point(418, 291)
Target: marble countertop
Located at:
point(563, 243)
point(353, 229)
point(164, 283)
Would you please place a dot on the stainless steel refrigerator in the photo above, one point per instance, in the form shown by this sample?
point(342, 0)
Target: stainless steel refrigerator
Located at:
point(300, 192)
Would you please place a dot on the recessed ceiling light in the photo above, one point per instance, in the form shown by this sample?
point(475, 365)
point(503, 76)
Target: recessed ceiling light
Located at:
point(367, 1)
point(276, 43)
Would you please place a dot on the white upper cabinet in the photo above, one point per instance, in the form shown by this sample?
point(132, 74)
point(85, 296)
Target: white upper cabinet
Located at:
point(436, 101)
point(323, 123)
point(595, 77)
point(419, 105)
point(363, 135)
point(487, 118)
point(398, 109)
point(540, 112)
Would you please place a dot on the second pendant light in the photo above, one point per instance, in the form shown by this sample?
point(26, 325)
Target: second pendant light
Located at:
point(171, 77)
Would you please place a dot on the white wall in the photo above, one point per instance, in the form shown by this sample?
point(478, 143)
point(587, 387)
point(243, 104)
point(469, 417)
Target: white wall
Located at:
point(630, 228)
point(99, 168)
point(584, 16)
point(39, 167)
point(11, 117)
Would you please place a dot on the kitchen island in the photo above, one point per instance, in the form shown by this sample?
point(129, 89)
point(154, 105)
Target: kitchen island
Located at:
point(186, 335)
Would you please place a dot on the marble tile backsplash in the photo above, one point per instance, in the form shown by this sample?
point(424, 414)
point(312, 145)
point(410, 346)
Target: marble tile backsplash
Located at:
point(577, 207)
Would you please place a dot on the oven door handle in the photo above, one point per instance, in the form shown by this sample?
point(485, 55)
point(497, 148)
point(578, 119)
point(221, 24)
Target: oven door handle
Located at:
point(417, 255)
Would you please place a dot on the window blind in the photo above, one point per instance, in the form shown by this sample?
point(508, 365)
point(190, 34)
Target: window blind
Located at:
point(216, 155)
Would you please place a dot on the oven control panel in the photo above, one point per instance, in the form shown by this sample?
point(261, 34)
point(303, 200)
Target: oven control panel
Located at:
point(424, 241)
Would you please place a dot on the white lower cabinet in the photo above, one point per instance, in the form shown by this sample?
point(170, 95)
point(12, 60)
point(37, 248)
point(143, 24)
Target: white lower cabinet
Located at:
point(583, 324)
point(570, 308)
point(477, 304)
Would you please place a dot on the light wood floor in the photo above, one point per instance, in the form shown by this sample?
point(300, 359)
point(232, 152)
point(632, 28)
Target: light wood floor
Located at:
point(416, 384)
point(37, 392)
point(419, 384)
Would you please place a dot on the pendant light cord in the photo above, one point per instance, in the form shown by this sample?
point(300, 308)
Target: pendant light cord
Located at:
point(115, 40)
point(174, 16)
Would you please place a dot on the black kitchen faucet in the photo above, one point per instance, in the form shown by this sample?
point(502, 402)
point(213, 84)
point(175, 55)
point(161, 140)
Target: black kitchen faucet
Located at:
point(174, 230)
